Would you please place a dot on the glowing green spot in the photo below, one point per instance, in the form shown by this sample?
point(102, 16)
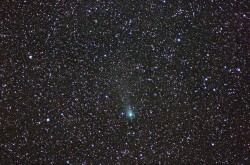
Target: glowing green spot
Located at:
point(130, 113)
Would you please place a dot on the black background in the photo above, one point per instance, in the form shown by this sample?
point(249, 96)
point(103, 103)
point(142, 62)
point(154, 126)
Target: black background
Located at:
point(70, 69)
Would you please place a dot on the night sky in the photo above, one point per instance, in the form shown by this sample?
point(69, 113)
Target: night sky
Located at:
point(124, 82)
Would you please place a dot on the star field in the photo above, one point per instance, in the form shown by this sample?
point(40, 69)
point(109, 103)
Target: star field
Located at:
point(124, 82)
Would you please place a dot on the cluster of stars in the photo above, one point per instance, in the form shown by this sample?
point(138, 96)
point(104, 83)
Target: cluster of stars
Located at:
point(124, 82)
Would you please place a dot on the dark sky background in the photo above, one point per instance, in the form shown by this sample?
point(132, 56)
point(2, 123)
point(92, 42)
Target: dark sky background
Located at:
point(124, 82)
